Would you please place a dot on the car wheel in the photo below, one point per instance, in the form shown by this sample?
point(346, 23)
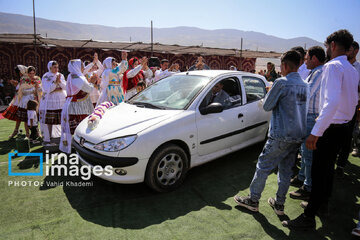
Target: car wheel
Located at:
point(167, 168)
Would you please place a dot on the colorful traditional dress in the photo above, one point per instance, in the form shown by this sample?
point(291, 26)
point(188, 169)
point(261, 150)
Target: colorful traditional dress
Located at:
point(95, 94)
point(132, 76)
point(78, 103)
point(111, 82)
point(11, 112)
point(26, 91)
point(53, 98)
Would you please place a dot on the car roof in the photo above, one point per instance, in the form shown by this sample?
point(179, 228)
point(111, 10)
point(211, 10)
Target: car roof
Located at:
point(216, 73)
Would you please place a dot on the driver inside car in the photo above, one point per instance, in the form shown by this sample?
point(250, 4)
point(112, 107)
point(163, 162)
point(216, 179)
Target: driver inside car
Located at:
point(218, 95)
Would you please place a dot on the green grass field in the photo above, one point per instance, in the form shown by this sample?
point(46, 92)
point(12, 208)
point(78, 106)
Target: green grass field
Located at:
point(203, 208)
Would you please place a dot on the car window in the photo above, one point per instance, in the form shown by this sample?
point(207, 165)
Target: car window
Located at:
point(174, 92)
point(227, 92)
point(254, 88)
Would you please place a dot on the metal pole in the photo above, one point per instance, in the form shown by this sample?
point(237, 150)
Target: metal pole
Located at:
point(152, 40)
point(34, 34)
point(241, 54)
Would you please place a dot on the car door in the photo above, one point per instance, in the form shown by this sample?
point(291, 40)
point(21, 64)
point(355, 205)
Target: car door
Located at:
point(219, 131)
point(255, 117)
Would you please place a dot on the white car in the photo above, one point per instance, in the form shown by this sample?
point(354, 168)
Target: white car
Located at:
point(172, 126)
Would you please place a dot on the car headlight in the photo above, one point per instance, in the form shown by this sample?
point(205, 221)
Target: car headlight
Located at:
point(116, 144)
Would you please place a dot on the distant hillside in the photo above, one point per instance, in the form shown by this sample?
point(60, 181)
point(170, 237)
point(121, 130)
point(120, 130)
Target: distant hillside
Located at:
point(222, 38)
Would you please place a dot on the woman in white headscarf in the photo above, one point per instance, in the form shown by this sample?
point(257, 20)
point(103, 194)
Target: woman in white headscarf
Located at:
point(78, 103)
point(52, 101)
point(95, 68)
point(25, 90)
point(111, 80)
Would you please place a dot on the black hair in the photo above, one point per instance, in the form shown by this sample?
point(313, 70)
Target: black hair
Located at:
point(141, 84)
point(30, 69)
point(292, 58)
point(17, 71)
point(54, 63)
point(355, 45)
point(32, 105)
point(300, 50)
point(86, 63)
point(341, 37)
point(318, 52)
point(164, 61)
point(154, 62)
point(269, 63)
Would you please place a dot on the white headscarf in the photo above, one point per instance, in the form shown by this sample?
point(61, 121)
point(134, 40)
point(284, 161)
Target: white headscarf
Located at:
point(23, 69)
point(107, 63)
point(49, 65)
point(74, 68)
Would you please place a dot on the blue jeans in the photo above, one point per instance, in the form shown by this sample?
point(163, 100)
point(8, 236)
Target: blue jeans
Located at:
point(306, 155)
point(275, 153)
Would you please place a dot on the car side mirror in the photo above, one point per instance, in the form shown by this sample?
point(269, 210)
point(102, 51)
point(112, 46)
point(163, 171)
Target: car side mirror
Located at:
point(212, 108)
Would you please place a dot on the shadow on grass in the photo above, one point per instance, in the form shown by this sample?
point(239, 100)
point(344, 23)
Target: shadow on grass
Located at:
point(7, 146)
point(31, 162)
point(136, 206)
point(342, 208)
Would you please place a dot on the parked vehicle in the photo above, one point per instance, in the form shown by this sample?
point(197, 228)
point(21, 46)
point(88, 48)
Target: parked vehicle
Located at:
point(173, 125)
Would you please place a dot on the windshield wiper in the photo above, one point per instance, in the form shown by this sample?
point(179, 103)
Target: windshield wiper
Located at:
point(148, 105)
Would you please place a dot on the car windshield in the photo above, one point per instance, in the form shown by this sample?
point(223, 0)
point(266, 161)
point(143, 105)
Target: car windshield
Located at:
point(173, 92)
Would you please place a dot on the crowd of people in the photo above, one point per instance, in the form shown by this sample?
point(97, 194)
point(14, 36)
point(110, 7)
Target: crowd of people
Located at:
point(315, 106)
point(314, 110)
point(55, 102)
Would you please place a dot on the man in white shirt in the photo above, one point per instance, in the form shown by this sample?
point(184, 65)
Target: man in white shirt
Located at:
point(315, 58)
point(338, 99)
point(346, 145)
point(164, 71)
point(354, 49)
point(303, 71)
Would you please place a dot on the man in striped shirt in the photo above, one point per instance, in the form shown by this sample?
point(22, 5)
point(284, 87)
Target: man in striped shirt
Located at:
point(314, 60)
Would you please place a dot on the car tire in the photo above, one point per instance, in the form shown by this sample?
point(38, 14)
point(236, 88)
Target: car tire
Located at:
point(167, 168)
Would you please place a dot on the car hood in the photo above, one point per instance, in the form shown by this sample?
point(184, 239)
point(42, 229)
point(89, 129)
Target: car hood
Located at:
point(123, 120)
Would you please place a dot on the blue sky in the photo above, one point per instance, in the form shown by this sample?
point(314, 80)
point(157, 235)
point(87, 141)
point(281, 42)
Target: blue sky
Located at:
point(282, 18)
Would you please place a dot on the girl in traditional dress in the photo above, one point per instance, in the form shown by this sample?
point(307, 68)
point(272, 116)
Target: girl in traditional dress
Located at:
point(52, 101)
point(78, 103)
point(10, 112)
point(28, 89)
point(138, 71)
point(111, 80)
point(94, 68)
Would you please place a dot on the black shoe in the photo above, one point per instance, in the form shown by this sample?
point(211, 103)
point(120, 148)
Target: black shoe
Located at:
point(296, 182)
point(247, 203)
point(323, 210)
point(301, 193)
point(278, 208)
point(301, 223)
point(339, 172)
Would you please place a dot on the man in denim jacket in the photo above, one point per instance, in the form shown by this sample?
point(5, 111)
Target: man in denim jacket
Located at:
point(287, 100)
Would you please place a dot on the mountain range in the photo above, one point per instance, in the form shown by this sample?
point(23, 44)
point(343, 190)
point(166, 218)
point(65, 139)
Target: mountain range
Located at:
point(186, 36)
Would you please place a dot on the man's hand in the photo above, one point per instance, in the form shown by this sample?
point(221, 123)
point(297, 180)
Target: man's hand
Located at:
point(124, 55)
point(14, 82)
point(311, 142)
